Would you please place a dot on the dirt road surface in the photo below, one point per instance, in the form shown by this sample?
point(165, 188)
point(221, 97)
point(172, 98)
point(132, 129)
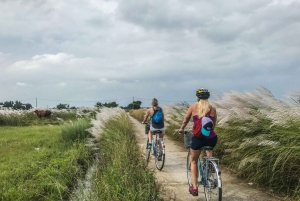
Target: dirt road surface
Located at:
point(174, 181)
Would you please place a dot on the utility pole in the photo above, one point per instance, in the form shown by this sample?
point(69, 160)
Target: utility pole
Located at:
point(133, 103)
point(35, 102)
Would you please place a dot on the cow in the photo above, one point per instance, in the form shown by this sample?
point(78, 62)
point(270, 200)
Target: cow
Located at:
point(43, 113)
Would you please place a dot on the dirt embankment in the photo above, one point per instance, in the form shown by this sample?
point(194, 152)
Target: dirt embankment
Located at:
point(174, 181)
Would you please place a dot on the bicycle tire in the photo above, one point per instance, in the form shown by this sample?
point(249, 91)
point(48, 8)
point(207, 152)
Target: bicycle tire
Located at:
point(212, 183)
point(147, 153)
point(188, 168)
point(159, 155)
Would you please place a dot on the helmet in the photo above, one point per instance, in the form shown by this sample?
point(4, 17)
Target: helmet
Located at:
point(203, 93)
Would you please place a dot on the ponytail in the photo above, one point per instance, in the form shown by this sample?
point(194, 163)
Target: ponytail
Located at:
point(203, 107)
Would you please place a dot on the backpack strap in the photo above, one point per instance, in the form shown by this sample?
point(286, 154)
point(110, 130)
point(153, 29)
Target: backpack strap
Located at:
point(154, 111)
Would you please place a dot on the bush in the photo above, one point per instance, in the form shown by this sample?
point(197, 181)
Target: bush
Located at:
point(76, 131)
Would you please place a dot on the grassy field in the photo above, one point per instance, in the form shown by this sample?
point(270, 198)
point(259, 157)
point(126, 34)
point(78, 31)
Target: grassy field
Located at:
point(37, 164)
point(50, 161)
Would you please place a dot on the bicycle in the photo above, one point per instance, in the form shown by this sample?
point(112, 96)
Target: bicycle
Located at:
point(157, 149)
point(208, 173)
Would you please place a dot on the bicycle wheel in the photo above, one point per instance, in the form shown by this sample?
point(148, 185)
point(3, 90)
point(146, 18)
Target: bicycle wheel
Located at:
point(188, 168)
point(159, 155)
point(147, 153)
point(212, 183)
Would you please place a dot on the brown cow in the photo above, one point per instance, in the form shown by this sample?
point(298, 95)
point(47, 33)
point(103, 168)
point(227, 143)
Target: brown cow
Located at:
point(43, 113)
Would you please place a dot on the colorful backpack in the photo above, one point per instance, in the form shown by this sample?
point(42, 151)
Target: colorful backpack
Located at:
point(203, 126)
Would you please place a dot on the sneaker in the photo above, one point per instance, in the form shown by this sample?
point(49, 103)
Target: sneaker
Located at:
point(193, 191)
point(149, 145)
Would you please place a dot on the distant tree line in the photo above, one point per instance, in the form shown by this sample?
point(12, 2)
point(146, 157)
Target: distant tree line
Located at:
point(17, 105)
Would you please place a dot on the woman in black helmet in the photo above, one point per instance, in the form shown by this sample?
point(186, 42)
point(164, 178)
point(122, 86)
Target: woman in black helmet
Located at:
point(200, 109)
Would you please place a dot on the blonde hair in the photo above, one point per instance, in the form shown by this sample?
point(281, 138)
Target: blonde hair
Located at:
point(154, 103)
point(203, 107)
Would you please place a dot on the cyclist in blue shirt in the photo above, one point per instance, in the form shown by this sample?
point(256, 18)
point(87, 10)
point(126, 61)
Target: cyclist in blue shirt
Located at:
point(154, 126)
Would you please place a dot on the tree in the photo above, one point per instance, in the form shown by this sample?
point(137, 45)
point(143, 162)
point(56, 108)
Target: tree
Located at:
point(62, 106)
point(8, 104)
point(27, 106)
point(110, 104)
point(18, 105)
point(135, 105)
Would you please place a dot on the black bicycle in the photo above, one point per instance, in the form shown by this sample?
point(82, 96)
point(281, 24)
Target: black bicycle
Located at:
point(157, 149)
point(208, 173)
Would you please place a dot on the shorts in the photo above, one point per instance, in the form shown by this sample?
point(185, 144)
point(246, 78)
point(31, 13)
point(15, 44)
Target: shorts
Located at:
point(197, 143)
point(157, 129)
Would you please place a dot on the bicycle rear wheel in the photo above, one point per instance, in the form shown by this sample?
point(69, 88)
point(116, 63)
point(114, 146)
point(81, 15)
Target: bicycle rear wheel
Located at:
point(147, 153)
point(188, 168)
point(213, 184)
point(160, 155)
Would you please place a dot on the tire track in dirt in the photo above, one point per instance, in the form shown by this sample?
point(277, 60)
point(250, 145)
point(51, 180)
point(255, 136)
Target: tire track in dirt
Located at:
point(174, 181)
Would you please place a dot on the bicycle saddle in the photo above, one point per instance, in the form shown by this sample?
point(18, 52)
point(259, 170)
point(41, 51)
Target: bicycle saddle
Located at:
point(207, 148)
point(156, 132)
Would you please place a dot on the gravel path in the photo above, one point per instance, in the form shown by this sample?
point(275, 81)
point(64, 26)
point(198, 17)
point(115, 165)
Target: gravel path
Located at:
point(173, 175)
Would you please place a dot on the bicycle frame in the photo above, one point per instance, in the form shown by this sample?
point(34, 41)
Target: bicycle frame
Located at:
point(158, 153)
point(208, 175)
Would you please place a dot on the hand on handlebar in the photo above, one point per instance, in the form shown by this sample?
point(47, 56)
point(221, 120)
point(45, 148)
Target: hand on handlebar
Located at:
point(181, 131)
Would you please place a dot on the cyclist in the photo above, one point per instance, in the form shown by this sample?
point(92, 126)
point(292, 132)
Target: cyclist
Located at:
point(154, 126)
point(200, 109)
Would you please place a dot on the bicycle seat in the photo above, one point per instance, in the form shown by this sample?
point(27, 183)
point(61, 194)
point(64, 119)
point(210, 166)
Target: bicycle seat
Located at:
point(156, 132)
point(207, 148)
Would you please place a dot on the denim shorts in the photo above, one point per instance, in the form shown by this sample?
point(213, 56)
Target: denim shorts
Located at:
point(197, 143)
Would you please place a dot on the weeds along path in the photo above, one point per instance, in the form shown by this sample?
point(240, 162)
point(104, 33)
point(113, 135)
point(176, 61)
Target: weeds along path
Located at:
point(173, 176)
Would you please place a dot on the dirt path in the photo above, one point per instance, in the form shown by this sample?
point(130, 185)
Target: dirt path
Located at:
point(174, 181)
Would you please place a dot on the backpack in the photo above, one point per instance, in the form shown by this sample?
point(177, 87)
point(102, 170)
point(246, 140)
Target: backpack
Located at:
point(157, 116)
point(203, 126)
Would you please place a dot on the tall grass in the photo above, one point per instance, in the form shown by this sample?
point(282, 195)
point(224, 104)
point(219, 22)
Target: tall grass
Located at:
point(122, 174)
point(10, 117)
point(138, 114)
point(77, 130)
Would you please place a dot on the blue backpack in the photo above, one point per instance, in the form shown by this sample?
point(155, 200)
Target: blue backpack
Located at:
point(157, 116)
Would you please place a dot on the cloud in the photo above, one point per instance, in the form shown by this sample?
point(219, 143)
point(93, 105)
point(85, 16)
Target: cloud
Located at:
point(109, 49)
point(62, 84)
point(21, 84)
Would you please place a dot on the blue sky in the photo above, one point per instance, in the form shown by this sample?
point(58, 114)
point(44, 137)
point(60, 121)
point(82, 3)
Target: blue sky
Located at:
point(82, 52)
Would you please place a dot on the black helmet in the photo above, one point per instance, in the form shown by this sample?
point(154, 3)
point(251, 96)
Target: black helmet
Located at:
point(202, 93)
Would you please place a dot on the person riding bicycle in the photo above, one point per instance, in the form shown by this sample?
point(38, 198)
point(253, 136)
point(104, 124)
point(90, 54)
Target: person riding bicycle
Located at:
point(200, 109)
point(154, 126)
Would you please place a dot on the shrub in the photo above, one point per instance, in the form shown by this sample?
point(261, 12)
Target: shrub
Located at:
point(76, 131)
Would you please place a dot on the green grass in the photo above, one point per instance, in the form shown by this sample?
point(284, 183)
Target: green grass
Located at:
point(122, 172)
point(76, 130)
point(36, 164)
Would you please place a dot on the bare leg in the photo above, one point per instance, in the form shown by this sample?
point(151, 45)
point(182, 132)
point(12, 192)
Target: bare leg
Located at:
point(194, 160)
point(150, 136)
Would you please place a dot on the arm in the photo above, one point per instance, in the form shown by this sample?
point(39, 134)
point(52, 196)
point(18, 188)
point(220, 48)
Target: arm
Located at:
point(186, 120)
point(146, 116)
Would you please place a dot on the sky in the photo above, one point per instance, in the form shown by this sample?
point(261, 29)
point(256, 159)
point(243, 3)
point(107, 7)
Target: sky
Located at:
point(82, 52)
